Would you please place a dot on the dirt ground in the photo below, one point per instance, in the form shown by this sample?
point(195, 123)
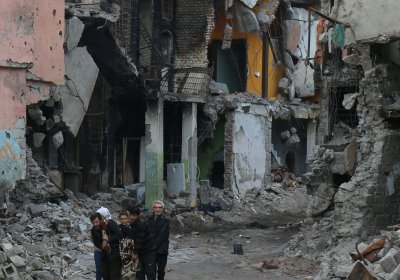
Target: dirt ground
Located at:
point(209, 256)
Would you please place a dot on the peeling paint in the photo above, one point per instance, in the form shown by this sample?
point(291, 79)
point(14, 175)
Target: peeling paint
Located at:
point(16, 64)
point(251, 162)
point(11, 165)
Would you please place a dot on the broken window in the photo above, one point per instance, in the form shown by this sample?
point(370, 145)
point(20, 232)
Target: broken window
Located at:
point(167, 47)
point(230, 65)
point(167, 9)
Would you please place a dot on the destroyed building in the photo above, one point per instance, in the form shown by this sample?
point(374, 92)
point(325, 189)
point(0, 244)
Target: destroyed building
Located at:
point(144, 96)
point(150, 97)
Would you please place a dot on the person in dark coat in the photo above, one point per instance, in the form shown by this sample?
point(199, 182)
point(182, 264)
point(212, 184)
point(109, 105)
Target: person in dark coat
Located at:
point(159, 232)
point(126, 247)
point(96, 220)
point(111, 263)
point(144, 247)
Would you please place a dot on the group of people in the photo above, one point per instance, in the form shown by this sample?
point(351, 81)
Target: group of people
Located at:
point(135, 248)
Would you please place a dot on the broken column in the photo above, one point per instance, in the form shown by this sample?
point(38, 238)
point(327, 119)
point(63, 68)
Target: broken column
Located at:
point(189, 143)
point(154, 149)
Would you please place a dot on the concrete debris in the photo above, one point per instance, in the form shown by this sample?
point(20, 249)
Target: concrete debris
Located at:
point(303, 79)
point(282, 175)
point(246, 20)
point(38, 138)
point(73, 32)
point(58, 139)
point(349, 99)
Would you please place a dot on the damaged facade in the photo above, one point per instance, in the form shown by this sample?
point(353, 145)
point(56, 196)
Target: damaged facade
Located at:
point(165, 101)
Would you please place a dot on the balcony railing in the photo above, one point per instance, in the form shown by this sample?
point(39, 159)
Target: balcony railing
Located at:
point(188, 81)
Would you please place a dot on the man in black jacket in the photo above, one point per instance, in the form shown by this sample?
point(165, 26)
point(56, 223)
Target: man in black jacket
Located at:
point(111, 263)
point(159, 232)
point(144, 247)
point(96, 220)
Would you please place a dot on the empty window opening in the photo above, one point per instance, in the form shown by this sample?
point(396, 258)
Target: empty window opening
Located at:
point(167, 9)
point(230, 65)
point(217, 174)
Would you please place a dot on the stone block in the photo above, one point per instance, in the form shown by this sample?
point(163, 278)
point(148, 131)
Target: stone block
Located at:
point(388, 262)
point(36, 210)
point(58, 139)
point(18, 262)
point(62, 225)
point(3, 257)
point(350, 156)
point(343, 271)
point(303, 79)
point(360, 271)
point(10, 271)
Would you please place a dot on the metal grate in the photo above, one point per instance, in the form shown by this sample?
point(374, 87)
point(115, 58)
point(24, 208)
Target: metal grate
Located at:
point(188, 81)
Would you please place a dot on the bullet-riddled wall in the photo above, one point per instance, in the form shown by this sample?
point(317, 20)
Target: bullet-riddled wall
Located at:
point(31, 60)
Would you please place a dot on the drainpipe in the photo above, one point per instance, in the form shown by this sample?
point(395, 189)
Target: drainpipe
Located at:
point(265, 54)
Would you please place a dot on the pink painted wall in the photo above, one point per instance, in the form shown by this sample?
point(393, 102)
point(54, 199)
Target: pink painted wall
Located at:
point(31, 37)
point(31, 61)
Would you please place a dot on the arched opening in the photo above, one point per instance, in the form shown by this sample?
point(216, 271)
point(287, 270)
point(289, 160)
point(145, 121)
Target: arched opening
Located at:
point(290, 161)
point(167, 47)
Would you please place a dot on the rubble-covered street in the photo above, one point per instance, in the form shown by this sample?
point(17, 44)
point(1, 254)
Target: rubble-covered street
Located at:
point(264, 133)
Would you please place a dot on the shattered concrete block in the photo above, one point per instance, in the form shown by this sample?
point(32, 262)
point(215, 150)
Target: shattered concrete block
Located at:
point(10, 271)
point(81, 72)
point(218, 88)
point(62, 225)
point(73, 32)
point(360, 271)
point(56, 119)
point(349, 99)
point(283, 85)
point(388, 262)
point(352, 59)
point(58, 139)
point(36, 210)
point(303, 79)
point(338, 166)
point(3, 257)
point(293, 130)
point(322, 199)
point(37, 264)
point(350, 156)
point(18, 262)
point(343, 271)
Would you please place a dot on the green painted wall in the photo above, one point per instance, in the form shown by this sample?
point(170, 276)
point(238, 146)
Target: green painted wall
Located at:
point(210, 149)
point(154, 178)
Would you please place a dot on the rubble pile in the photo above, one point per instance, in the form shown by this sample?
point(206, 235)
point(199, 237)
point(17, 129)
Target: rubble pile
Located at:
point(378, 260)
point(272, 205)
point(48, 240)
point(282, 175)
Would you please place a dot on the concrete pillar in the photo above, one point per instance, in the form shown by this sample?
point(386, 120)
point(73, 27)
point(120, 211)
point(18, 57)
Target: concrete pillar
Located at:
point(154, 151)
point(311, 139)
point(189, 144)
point(142, 164)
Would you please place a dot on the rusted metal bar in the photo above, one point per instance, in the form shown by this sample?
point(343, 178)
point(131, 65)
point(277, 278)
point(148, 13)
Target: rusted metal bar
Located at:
point(327, 17)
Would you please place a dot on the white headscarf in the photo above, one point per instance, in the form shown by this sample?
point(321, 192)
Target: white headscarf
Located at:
point(104, 212)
